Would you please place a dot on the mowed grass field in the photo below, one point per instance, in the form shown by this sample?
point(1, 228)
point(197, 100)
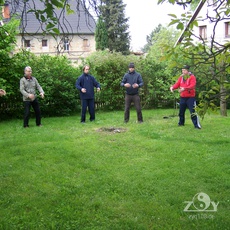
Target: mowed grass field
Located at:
point(110, 175)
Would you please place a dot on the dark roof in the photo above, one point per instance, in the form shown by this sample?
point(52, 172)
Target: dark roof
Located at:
point(79, 22)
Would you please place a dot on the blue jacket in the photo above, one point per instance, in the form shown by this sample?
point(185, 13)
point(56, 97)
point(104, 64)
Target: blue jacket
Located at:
point(131, 78)
point(88, 82)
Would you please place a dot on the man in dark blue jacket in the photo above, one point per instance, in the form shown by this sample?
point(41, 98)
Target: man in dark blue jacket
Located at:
point(132, 81)
point(85, 84)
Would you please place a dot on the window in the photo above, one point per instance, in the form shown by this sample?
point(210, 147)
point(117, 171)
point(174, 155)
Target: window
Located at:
point(227, 29)
point(66, 44)
point(203, 32)
point(85, 42)
point(27, 43)
point(44, 43)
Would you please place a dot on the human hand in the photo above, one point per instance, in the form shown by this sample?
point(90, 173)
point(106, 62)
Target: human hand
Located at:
point(171, 89)
point(83, 90)
point(98, 89)
point(31, 96)
point(127, 85)
point(181, 89)
point(2, 92)
point(42, 95)
point(135, 85)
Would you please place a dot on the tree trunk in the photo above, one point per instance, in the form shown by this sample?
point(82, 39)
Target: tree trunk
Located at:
point(223, 102)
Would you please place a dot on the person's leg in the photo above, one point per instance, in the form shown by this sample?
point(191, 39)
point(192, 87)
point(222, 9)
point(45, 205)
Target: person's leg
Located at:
point(91, 109)
point(128, 100)
point(26, 113)
point(182, 110)
point(137, 104)
point(191, 103)
point(84, 105)
point(37, 111)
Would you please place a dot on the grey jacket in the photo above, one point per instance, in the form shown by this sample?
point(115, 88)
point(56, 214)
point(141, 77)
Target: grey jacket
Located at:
point(29, 86)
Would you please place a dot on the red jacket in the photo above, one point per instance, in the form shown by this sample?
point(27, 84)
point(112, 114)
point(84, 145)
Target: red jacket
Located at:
point(189, 85)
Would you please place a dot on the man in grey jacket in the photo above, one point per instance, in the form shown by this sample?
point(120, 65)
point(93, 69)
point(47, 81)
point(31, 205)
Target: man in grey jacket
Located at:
point(28, 87)
point(132, 81)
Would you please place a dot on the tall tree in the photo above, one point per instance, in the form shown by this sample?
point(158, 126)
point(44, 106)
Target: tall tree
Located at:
point(112, 12)
point(149, 38)
point(101, 35)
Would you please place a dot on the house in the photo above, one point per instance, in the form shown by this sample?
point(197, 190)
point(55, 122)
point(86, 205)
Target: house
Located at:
point(210, 27)
point(77, 30)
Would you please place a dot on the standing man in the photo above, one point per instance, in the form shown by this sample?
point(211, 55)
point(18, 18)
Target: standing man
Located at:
point(28, 87)
point(186, 84)
point(85, 84)
point(132, 81)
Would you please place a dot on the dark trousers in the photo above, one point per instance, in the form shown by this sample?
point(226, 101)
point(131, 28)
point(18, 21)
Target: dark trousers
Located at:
point(27, 106)
point(137, 103)
point(190, 103)
point(90, 104)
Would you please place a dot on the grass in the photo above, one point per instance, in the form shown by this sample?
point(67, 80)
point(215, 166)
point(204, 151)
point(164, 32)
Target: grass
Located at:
point(110, 175)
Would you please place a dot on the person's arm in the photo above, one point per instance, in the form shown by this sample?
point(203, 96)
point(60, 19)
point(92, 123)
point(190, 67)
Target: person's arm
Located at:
point(176, 85)
point(124, 82)
point(39, 88)
point(22, 88)
point(140, 81)
point(96, 84)
point(78, 84)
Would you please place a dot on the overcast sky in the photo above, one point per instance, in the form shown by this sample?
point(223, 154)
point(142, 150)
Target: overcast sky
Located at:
point(144, 16)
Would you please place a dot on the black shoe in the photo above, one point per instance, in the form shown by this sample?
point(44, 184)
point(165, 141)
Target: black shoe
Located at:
point(180, 125)
point(197, 127)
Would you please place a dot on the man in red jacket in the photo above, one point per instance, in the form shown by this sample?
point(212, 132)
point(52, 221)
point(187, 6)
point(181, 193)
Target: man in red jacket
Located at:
point(186, 84)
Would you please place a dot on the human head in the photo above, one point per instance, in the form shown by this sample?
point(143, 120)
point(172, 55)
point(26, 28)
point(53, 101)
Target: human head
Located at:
point(86, 69)
point(185, 69)
point(28, 71)
point(131, 67)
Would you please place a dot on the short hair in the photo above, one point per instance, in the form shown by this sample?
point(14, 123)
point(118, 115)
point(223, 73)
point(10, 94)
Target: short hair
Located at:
point(27, 67)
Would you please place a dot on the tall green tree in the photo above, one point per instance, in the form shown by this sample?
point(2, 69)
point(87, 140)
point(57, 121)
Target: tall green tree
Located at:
point(101, 35)
point(113, 15)
point(149, 38)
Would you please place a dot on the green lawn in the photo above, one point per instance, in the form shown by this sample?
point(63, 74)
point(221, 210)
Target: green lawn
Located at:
point(110, 175)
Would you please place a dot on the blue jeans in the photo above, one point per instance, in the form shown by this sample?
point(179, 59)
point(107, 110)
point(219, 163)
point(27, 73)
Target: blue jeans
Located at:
point(190, 103)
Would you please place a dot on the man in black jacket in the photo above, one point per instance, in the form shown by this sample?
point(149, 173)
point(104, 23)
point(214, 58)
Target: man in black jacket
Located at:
point(85, 84)
point(132, 81)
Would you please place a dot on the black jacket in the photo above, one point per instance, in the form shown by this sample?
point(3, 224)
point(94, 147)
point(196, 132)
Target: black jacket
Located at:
point(131, 78)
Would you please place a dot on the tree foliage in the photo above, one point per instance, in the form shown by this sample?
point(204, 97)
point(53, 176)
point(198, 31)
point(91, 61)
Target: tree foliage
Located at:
point(113, 15)
point(211, 55)
point(101, 35)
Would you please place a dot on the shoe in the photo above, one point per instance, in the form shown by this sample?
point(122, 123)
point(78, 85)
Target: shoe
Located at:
point(39, 125)
point(197, 127)
point(140, 122)
point(180, 125)
point(82, 122)
point(27, 126)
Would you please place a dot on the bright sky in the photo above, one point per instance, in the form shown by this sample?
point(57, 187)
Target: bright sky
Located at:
point(144, 16)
